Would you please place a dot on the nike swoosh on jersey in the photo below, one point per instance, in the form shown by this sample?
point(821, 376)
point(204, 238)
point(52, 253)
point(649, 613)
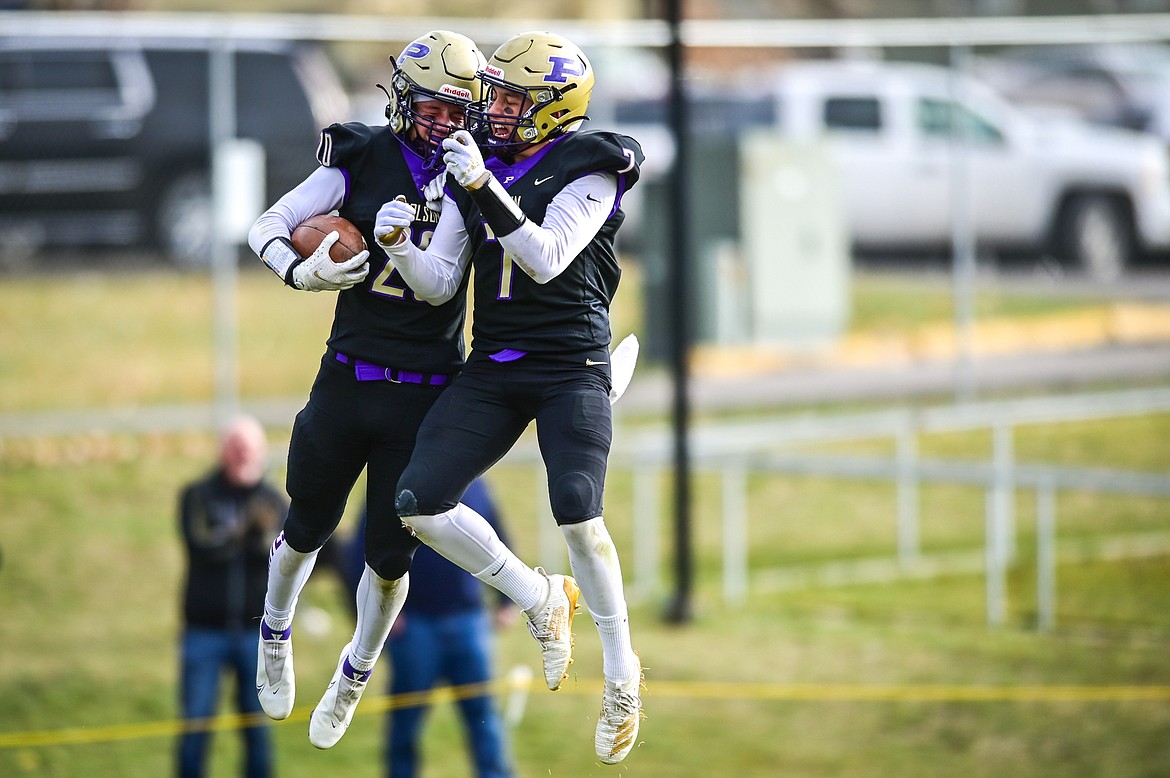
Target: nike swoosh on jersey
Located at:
point(540, 181)
point(592, 363)
point(591, 198)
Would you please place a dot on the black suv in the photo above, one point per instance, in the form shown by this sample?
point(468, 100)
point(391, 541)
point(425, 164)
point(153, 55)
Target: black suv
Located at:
point(105, 143)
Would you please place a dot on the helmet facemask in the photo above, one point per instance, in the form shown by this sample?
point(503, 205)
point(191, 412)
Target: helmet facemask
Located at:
point(543, 81)
point(521, 126)
point(440, 66)
point(421, 133)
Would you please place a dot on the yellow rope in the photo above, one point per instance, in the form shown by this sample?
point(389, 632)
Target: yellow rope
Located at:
point(659, 689)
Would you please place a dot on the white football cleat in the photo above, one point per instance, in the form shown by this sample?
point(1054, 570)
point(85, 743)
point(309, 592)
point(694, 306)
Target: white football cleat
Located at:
point(275, 682)
point(617, 726)
point(551, 623)
point(333, 713)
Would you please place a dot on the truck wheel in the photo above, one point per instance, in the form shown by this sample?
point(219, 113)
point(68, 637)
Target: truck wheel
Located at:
point(1097, 236)
point(19, 246)
point(183, 220)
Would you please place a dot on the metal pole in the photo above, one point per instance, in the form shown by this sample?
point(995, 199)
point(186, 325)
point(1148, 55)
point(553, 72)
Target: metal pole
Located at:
point(1045, 556)
point(1004, 487)
point(995, 572)
point(224, 273)
point(646, 530)
point(679, 608)
point(906, 456)
point(962, 234)
point(549, 541)
point(735, 532)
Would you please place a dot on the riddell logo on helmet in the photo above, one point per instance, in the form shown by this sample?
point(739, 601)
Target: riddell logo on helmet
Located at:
point(492, 70)
point(455, 91)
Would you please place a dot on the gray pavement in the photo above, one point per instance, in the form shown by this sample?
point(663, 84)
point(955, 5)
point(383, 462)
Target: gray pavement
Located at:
point(651, 390)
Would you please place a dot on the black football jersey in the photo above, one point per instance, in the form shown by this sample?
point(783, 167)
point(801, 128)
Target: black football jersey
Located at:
point(569, 314)
point(381, 320)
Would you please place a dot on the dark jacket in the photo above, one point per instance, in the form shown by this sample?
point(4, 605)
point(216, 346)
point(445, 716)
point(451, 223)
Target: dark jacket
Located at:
point(227, 532)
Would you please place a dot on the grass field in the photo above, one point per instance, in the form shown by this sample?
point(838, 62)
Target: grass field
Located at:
point(901, 679)
point(85, 339)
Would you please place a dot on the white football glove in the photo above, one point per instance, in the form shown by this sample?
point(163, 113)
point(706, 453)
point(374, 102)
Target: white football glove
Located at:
point(319, 273)
point(393, 220)
point(433, 192)
point(464, 161)
point(621, 366)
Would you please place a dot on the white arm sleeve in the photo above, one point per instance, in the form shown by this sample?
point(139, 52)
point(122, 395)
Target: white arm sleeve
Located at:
point(573, 217)
point(435, 274)
point(321, 192)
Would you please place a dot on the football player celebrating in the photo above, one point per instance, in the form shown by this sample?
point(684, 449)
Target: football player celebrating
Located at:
point(537, 221)
point(389, 356)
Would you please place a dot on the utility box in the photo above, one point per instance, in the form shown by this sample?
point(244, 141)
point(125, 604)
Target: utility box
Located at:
point(237, 187)
point(770, 254)
point(793, 243)
point(712, 222)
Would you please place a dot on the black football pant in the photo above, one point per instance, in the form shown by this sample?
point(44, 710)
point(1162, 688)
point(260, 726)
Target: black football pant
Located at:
point(347, 425)
point(479, 418)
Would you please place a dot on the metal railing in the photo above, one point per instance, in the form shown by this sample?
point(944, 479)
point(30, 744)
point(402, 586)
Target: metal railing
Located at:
point(773, 447)
point(737, 450)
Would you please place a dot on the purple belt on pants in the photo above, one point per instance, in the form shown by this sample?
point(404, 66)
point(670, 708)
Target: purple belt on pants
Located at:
point(368, 371)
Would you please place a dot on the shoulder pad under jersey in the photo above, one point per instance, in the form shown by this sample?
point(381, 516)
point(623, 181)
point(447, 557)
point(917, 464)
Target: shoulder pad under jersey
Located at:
point(342, 142)
point(611, 152)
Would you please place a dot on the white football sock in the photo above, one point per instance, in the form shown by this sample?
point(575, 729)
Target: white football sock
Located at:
point(288, 570)
point(468, 540)
point(526, 587)
point(379, 602)
point(594, 560)
point(619, 662)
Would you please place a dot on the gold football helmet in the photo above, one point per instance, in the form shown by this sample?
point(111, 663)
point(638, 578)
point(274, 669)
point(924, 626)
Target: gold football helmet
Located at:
point(441, 65)
point(553, 79)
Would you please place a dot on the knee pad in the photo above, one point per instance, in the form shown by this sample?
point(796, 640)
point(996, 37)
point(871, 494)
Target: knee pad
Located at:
point(406, 504)
point(391, 564)
point(575, 497)
point(303, 538)
point(418, 524)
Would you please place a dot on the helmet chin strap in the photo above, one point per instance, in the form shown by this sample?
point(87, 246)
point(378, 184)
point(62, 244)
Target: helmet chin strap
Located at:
point(389, 101)
point(433, 160)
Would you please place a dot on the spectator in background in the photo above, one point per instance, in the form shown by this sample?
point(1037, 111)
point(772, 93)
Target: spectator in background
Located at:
point(228, 521)
point(444, 632)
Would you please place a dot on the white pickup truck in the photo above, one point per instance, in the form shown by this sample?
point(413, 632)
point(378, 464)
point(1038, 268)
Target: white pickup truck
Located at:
point(905, 137)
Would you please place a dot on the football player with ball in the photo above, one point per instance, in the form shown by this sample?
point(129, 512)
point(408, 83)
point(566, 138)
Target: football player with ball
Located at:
point(540, 351)
point(537, 220)
point(389, 356)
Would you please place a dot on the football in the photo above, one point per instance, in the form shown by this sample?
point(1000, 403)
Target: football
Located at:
point(309, 234)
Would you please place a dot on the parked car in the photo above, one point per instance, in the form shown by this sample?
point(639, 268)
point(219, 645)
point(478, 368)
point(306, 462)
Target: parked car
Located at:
point(1096, 197)
point(106, 142)
point(1126, 85)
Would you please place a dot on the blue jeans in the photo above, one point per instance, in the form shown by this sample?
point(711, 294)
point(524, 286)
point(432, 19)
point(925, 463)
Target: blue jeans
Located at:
point(425, 649)
point(206, 653)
